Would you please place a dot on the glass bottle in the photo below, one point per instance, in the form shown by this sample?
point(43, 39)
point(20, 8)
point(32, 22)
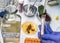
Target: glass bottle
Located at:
point(11, 27)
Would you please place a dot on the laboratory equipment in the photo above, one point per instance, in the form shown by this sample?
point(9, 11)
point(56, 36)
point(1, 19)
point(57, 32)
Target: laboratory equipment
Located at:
point(40, 9)
point(11, 8)
point(43, 17)
point(53, 2)
point(42, 24)
point(3, 4)
point(30, 11)
point(11, 27)
point(29, 28)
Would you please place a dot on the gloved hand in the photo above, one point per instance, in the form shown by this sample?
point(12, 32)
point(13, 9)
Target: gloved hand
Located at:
point(2, 13)
point(49, 36)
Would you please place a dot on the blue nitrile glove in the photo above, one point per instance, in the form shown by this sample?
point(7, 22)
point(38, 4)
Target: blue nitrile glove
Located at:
point(2, 13)
point(49, 36)
point(47, 28)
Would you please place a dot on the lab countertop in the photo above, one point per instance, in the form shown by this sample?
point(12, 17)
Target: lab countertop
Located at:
point(52, 11)
point(25, 19)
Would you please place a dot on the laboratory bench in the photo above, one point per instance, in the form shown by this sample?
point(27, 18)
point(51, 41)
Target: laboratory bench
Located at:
point(52, 11)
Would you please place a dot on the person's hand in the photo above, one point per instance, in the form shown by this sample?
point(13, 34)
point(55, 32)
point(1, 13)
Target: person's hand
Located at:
point(46, 38)
point(49, 36)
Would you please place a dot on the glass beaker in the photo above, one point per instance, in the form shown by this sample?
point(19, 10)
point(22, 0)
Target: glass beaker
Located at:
point(11, 27)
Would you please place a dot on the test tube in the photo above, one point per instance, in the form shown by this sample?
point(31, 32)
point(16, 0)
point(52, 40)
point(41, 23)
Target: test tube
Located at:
point(42, 24)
